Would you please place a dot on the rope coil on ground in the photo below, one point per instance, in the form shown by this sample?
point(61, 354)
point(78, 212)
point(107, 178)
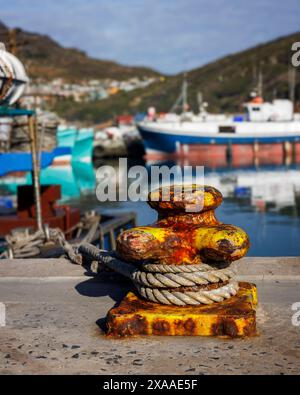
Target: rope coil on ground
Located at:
point(24, 244)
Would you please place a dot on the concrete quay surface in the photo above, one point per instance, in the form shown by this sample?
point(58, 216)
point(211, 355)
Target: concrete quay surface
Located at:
point(55, 315)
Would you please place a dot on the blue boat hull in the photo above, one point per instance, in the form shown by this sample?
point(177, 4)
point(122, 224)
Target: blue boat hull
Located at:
point(167, 142)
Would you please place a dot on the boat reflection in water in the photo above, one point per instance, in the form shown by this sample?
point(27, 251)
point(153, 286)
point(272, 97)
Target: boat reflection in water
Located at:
point(261, 192)
point(266, 176)
point(76, 180)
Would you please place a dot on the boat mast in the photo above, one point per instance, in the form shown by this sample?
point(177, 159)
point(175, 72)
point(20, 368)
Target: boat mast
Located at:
point(200, 101)
point(292, 83)
point(260, 83)
point(182, 98)
point(184, 94)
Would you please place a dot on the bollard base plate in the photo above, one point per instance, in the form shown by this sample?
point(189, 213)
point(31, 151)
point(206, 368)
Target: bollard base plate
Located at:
point(235, 317)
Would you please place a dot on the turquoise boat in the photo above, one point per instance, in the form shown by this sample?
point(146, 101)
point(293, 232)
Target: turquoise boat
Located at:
point(85, 176)
point(83, 147)
point(73, 145)
point(11, 162)
point(80, 141)
point(63, 176)
point(66, 136)
point(75, 179)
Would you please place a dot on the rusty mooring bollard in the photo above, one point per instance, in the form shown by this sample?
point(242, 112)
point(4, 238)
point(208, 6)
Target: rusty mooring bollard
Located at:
point(183, 276)
point(183, 238)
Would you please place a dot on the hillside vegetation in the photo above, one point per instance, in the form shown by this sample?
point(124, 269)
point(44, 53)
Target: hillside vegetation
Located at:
point(225, 83)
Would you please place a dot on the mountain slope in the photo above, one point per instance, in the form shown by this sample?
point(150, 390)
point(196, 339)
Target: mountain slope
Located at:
point(45, 58)
point(227, 82)
point(225, 85)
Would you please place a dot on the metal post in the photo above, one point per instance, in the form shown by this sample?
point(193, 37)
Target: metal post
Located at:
point(229, 153)
point(35, 171)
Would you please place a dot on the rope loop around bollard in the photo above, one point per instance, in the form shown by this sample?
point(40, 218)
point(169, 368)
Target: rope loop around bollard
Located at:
point(168, 285)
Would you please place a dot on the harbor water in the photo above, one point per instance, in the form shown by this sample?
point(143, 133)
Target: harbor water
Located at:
point(263, 199)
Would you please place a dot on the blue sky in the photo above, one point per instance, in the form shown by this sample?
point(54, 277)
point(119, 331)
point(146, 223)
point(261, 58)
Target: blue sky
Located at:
point(168, 35)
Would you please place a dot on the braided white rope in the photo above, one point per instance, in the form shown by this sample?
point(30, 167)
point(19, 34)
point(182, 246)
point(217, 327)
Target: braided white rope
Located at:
point(173, 280)
point(152, 285)
point(23, 244)
point(160, 268)
point(189, 297)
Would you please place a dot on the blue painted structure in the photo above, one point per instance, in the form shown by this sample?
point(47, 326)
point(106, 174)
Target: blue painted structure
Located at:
point(71, 141)
point(22, 161)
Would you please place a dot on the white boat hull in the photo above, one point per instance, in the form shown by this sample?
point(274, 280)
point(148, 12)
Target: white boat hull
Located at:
point(168, 137)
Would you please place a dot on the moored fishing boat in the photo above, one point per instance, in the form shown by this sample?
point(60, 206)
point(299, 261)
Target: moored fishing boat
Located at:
point(276, 124)
point(262, 123)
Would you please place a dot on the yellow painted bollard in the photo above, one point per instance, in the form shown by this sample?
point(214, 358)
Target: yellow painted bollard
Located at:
point(185, 280)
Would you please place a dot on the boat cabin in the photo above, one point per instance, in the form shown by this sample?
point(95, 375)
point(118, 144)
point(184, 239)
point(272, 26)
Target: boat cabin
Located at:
point(260, 111)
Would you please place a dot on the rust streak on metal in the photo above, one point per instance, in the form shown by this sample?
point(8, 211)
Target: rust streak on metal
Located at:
point(184, 238)
point(180, 237)
point(232, 318)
